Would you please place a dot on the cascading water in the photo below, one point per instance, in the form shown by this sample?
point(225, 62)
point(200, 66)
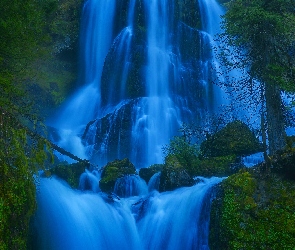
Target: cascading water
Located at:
point(144, 72)
point(69, 219)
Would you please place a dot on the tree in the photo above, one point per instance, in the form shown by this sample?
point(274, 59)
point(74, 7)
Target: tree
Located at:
point(261, 38)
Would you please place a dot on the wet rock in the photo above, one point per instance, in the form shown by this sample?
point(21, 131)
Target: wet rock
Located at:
point(70, 172)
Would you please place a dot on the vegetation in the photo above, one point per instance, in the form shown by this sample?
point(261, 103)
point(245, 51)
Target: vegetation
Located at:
point(252, 212)
point(262, 46)
point(21, 155)
point(234, 139)
point(28, 36)
point(219, 155)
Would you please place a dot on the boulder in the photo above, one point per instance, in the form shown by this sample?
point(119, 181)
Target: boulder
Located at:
point(70, 172)
point(114, 170)
point(235, 138)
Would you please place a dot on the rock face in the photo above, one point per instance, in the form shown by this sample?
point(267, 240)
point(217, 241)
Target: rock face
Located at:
point(114, 170)
point(174, 178)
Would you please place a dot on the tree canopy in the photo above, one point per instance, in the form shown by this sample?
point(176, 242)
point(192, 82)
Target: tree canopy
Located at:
point(263, 33)
point(259, 40)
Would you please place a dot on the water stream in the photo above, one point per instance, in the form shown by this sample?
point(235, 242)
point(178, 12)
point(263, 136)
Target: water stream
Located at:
point(143, 73)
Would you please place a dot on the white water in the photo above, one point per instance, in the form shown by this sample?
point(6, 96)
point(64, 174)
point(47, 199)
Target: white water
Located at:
point(83, 106)
point(136, 216)
point(71, 219)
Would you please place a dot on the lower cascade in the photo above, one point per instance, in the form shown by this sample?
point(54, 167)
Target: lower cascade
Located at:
point(72, 219)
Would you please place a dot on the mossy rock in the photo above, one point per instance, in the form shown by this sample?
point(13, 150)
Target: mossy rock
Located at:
point(174, 175)
point(114, 170)
point(70, 172)
point(147, 173)
point(235, 138)
point(253, 211)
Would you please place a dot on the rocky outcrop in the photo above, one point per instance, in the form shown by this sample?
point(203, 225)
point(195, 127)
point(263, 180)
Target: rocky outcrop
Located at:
point(174, 176)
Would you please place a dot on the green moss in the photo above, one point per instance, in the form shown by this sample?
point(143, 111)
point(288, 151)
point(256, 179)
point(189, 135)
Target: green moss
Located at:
point(114, 170)
point(147, 173)
point(234, 139)
point(252, 212)
point(217, 166)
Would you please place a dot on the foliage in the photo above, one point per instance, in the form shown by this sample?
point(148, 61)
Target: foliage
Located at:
point(264, 39)
point(27, 37)
point(33, 49)
point(218, 166)
point(114, 170)
point(21, 155)
point(183, 152)
point(183, 162)
point(253, 213)
point(259, 41)
point(234, 139)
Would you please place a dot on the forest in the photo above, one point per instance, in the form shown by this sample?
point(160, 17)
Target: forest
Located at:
point(40, 69)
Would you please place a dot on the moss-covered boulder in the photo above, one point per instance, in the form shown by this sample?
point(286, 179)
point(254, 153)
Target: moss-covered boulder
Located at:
point(235, 138)
point(70, 172)
point(253, 211)
point(114, 170)
point(147, 173)
point(174, 175)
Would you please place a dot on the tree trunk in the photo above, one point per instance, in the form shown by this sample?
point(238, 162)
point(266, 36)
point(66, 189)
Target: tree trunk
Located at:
point(275, 119)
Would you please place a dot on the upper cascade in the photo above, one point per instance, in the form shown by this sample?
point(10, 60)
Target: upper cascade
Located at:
point(146, 69)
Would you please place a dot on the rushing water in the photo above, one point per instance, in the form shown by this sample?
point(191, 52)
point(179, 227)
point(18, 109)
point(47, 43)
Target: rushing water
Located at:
point(71, 219)
point(142, 75)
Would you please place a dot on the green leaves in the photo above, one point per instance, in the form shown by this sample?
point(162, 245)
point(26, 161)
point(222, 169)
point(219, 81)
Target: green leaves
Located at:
point(265, 31)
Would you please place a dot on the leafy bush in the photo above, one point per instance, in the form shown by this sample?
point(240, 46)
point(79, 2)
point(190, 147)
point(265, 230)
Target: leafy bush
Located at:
point(182, 153)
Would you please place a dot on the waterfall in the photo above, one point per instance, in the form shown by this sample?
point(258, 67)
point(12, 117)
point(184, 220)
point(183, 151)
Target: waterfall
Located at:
point(71, 219)
point(144, 71)
point(82, 107)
